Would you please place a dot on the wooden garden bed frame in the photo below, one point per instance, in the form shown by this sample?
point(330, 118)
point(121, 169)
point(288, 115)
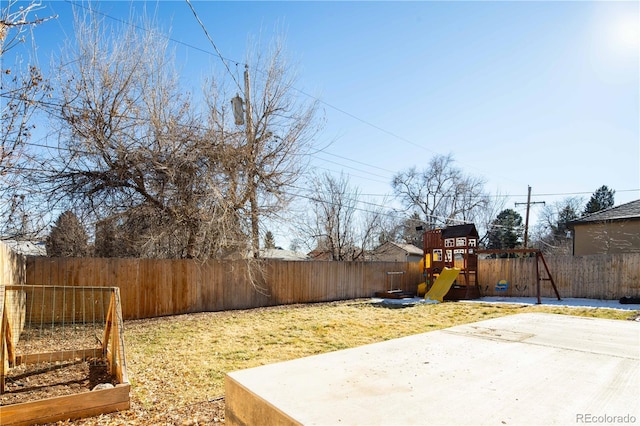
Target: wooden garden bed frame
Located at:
point(75, 406)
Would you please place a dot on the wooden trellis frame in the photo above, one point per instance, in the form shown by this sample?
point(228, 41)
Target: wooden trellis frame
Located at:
point(75, 406)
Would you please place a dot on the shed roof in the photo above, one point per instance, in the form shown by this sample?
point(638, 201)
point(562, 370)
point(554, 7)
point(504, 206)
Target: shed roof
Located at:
point(627, 211)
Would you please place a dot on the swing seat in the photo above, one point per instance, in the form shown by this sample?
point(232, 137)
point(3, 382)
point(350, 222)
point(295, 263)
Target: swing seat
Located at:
point(502, 285)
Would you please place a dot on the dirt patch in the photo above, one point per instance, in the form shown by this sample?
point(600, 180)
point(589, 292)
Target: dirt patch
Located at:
point(32, 382)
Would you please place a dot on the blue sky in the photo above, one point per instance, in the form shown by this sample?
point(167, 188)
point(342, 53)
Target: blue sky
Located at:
point(545, 94)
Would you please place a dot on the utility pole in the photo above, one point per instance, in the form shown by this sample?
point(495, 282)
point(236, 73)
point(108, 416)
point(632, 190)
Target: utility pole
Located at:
point(251, 142)
point(526, 220)
point(247, 101)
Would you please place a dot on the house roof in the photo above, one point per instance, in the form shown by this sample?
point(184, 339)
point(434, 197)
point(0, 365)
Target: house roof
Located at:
point(27, 248)
point(627, 211)
point(408, 248)
point(466, 230)
point(278, 253)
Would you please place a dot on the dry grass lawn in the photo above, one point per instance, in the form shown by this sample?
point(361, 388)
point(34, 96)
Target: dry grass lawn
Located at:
point(177, 364)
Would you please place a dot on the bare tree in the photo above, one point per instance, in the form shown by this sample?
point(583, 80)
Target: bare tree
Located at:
point(267, 151)
point(165, 179)
point(552, 233)
point(134, 152)
point(441, 192)
point(15, 20)
point(402, 229)
point(22, 88)
point(339, 228)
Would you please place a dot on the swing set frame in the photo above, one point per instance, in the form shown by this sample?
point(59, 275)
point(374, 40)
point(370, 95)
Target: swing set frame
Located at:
point(539, 259)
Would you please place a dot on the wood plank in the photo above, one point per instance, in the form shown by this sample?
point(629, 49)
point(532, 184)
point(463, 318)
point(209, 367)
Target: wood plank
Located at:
point(3, 342)
point(109, 324)
point(115, 344)
point(76, 406)
point(8, 338)
point(68, 355)
point(121, 366)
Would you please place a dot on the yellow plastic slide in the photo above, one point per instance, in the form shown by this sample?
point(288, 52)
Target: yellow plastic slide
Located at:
point(442, 284)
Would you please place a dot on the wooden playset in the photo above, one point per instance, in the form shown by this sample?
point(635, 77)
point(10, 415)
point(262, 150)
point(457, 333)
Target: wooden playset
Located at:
point(453, 247)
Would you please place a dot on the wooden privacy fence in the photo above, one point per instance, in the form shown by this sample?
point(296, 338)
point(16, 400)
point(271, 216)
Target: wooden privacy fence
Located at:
point(602, 276)
point(151, 287)
point(157, 287)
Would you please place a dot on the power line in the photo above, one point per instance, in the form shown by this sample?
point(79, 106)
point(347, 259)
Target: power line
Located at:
point(368, 123)
point(122, 21)
point(351, 174)
point(62, 148)
point(304, 93)
point(223, 59)
point(356, 161)
point(353, 168)
point(389, 213)
point(212, 43)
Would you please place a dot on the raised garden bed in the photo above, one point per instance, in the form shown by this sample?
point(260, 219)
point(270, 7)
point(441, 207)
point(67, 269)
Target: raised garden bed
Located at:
point(61, 353)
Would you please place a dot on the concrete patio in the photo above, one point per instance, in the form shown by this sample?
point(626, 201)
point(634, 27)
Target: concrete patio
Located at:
point(519, 369)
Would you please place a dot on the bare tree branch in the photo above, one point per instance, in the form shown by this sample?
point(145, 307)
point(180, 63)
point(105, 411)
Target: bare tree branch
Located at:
point(441, 192)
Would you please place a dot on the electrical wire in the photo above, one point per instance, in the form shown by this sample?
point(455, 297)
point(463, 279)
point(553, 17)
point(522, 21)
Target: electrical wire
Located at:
point(206, 33)
point(355, 161)
point(224, 61)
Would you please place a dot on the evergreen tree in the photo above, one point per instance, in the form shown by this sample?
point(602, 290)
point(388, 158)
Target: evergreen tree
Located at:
point(565, 215)
point(68, 238)
point(269, 240)
point(552, 231)
point(600, 200)
point(410, 235)
point(505, 231)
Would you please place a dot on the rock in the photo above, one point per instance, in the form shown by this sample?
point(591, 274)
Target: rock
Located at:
point(102, 386)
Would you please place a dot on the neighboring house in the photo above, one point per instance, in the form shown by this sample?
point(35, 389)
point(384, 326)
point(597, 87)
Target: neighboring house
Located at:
point(27, 248)
point(613, 230)
point(397, 252)
point(318, 254)
point(281, 254)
